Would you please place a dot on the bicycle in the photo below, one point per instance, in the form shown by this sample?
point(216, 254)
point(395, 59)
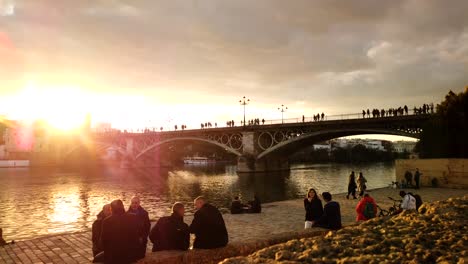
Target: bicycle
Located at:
point(392, 210)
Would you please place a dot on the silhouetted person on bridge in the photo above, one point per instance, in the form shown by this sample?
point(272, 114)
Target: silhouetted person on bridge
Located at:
point(120, 235)
point(263, 121)
point(368, 113)
point(170, 232)
point(323, 116)
point(406, 109)
point(363, 114)
point(208, 226)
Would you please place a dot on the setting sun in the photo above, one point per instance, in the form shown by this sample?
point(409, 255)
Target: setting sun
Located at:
point(62, 108)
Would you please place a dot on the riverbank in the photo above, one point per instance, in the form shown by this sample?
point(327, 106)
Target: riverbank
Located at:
point(437, 234)
point(278, 222)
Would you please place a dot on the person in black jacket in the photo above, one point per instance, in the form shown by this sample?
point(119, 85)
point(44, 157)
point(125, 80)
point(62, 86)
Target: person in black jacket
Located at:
point(97, 229)
point(255, 205)
point(331, 217)
point(313, 207)
point(352, 186)
point(236, 206)
point(120, 236)
point(208, 226)
point(143, 223)
point(170, 232)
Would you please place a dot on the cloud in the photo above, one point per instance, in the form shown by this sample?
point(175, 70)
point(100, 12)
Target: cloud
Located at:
point(337, 55)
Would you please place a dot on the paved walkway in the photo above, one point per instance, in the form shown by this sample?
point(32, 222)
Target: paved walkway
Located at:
point(276, 218)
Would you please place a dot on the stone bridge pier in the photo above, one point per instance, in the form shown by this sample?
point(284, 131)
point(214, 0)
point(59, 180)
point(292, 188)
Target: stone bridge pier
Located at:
point(250, 162)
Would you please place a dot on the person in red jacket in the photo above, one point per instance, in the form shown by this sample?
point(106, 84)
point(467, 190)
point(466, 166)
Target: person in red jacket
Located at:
point(366, 208)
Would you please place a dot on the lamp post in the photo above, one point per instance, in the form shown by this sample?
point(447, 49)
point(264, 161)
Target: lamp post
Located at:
point(244, 102)
point(282, 110)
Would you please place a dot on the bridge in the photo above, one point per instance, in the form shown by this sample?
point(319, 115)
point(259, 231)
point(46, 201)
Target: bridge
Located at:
point(261, 147)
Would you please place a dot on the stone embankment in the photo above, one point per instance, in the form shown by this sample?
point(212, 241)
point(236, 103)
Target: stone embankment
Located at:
point(437, 234)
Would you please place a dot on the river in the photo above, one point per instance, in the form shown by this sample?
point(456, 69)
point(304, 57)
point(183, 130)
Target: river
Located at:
point(37, 202)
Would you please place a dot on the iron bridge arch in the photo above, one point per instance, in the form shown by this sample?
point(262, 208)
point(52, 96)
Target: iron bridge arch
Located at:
point(289, 141)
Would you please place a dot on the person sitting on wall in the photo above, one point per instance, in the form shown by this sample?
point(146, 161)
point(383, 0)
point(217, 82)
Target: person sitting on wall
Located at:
point(208, 226)
point(255, 205)
point(331, 217)
point(236, 206)
point(120, 235)
point(96, 231)
point(170, 232)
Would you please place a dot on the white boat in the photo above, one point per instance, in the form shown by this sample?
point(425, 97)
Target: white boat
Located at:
point(198, 160)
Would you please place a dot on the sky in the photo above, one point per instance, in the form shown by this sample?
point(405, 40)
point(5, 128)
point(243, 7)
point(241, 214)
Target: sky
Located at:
point(150, 63)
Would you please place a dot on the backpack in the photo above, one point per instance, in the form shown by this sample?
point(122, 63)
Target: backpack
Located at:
point(369, 210)
point(419, 201)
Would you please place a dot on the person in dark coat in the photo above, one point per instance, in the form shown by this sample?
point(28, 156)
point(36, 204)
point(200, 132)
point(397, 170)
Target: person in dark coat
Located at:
point(255, 205)
point(143, 223)
point(170, 232)
point(331, 217)
point(120, 236)
point(352, 186)
point(417, 177)
point(236, 206)
point(313, 207)
point(97, 229)
point(208, 226)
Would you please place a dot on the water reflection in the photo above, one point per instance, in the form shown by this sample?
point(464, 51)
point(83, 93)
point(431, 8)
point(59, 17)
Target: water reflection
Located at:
point(38, 202)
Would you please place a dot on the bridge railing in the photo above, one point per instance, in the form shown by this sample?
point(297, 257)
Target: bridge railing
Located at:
point(311, 119)
point(301, 119)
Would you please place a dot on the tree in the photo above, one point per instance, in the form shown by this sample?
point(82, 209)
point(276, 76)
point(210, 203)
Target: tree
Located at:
point(445, 134)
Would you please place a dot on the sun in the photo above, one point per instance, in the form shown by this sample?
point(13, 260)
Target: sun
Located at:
point(62, 108)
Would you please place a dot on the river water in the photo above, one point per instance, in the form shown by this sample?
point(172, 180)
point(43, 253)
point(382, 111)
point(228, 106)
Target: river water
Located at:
point(40, 202)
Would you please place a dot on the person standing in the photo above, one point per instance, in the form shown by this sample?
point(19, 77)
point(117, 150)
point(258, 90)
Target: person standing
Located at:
point(409, 179)
point(120, 236)
point(361, 181)
point(170, 232)
point(417, 177)
point(313, 207)
point(96, 229)
point(366, 208)
point(331, 217)
point(143, 223)
point(208, 226)
point(352, 186)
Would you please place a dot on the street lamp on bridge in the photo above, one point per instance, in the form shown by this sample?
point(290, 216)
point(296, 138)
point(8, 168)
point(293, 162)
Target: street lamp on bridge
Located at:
point(282, 110)
point(244, 102)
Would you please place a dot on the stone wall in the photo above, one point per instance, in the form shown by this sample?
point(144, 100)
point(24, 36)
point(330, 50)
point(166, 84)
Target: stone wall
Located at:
point(450, 173)
point(207, 256)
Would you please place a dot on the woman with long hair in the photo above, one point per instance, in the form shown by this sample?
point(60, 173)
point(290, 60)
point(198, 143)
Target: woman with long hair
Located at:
point(313, 207)
point(361, 182)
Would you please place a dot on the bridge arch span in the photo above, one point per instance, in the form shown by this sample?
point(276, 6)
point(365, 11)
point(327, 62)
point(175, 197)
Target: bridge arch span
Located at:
point(96, 146)
point(291, 145)
point(162, 142)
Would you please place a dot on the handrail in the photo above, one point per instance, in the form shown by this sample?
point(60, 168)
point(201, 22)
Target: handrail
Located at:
point(304, 119)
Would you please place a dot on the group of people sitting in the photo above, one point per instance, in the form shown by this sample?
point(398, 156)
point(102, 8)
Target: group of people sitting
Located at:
point(329, 215)
point(121, 236)
point(252, 207)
